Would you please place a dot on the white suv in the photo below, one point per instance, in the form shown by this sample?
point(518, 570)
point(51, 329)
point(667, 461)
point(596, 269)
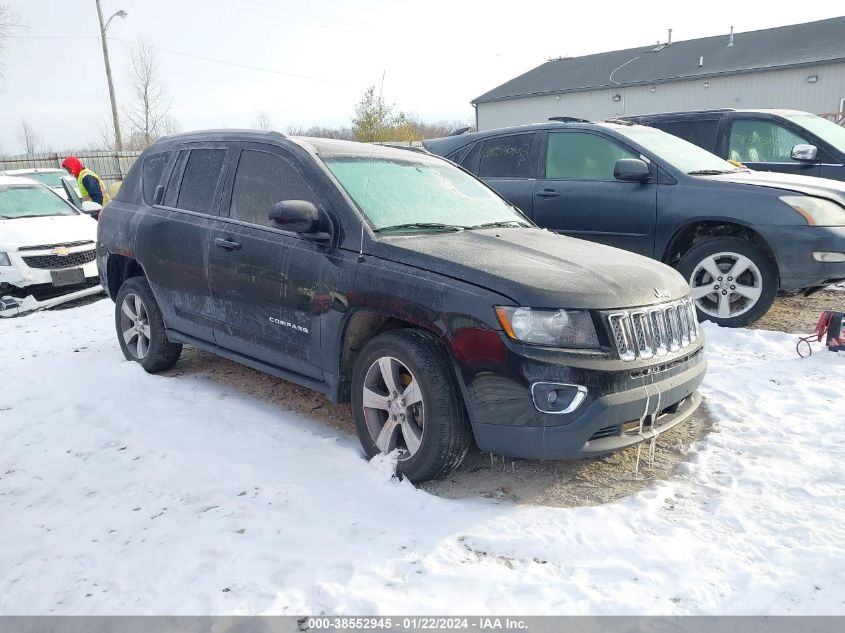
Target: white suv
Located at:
point(47, 248)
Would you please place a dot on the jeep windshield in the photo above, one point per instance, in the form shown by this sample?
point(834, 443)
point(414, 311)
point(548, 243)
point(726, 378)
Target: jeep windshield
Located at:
point(30, 201)
point(688, 158)
point(420, 194)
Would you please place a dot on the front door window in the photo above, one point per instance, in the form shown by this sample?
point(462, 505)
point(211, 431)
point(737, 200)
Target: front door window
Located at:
point(761, 141)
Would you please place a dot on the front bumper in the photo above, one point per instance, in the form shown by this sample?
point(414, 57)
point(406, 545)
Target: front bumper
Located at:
point(28, 284)
point(506, 421)
point(794, 246)
point(610, 422)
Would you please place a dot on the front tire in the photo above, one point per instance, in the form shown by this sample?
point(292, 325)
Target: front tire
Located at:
point(404, 396)
point(733, 282)
point(140, 327)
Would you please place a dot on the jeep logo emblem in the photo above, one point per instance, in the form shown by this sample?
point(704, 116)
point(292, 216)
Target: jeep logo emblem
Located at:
point(660, 293)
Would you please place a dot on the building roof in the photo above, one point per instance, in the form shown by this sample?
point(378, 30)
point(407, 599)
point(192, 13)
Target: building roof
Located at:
point(781, 47)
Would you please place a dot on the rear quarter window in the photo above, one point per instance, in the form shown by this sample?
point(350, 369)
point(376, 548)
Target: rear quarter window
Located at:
point(152, 171)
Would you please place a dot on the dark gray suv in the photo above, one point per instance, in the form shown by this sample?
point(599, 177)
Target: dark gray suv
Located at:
point(737, 236)
point(784, 141)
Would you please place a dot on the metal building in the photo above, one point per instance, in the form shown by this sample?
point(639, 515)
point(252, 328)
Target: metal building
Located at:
point(800, 67)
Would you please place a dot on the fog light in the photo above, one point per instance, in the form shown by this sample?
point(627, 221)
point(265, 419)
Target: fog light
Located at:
point(829, 257)
point(557, 398)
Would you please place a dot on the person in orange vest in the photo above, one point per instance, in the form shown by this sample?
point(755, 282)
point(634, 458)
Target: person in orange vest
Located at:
point(91, 187)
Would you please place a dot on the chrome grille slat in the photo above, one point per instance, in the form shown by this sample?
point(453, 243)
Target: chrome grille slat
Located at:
point(656, 331)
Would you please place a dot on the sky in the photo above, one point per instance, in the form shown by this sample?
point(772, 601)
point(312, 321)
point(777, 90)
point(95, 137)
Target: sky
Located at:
point(312, 61)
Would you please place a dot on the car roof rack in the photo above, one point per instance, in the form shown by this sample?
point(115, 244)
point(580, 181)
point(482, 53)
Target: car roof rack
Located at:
point(568, 119)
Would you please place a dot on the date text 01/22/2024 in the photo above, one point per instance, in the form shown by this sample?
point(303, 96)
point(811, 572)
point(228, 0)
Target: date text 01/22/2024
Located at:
point(431, 623)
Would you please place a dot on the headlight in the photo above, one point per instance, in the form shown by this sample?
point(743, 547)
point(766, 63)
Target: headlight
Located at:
point(817, 211)
point(556, 328)
point(4, 259)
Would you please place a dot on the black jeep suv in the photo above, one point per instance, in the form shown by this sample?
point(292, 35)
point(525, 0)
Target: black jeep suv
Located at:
point(735, 235)
point(396, 280)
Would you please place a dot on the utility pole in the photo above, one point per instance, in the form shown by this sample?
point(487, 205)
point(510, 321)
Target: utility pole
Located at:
point(118, 139)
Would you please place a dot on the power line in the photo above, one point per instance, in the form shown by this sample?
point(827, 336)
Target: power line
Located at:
point(235, 64)
point(182, 54)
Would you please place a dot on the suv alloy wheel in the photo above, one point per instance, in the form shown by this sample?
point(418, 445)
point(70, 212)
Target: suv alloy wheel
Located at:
point(404, 397)
point(732, 281)
point(140, 328)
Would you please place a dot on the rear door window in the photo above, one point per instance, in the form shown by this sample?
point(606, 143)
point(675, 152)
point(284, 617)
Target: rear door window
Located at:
point(199, 181)
point(762, 141)
point(582, 156)
point(263, 179)
point(506, 156)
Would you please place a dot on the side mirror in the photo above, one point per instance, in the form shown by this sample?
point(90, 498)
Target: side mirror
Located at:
point(158, 194)
point(631, 170)
point(804, 152)
point(298, 216)
point(91, 208)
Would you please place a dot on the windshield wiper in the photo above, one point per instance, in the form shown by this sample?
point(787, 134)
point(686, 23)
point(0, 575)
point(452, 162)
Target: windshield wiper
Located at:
point(710, 172)
point(421, 225)
point(513, 224)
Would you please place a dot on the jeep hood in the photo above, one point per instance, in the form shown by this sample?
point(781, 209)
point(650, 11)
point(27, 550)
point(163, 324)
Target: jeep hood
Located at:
point(47, 230)
point(805, 185)
point(537, 268)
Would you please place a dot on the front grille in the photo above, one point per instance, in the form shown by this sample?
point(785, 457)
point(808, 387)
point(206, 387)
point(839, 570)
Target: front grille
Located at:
point(47, 247)
point(53, 262)
point(648, 332)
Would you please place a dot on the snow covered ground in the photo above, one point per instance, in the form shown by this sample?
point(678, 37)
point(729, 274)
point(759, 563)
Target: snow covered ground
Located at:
point(122, 492)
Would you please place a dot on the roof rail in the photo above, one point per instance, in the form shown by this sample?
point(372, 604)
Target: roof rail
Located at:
point(568, 119)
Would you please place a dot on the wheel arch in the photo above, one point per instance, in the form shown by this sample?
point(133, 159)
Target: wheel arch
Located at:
point(696, 231)
point(359, 328)
point(119, 268)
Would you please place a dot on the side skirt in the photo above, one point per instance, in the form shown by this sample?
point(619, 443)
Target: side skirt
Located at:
point(178, 337)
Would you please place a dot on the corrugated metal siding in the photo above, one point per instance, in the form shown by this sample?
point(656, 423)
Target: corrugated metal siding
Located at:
point(772, 89)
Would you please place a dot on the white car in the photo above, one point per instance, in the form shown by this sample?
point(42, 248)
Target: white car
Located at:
point(45, 175)
point(47, 248)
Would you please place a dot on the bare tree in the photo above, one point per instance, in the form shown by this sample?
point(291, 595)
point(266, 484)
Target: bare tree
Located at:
point(148, 117)
point(262, 121)
point(29, 138)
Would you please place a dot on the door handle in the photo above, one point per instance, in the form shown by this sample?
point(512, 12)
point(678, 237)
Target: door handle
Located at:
point(547, 193)
point(228, 244)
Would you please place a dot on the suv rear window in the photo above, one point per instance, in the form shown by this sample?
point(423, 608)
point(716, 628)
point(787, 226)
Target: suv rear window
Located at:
point(199, 181)
point(153, 168)
point(506, 156)
point(701, 133)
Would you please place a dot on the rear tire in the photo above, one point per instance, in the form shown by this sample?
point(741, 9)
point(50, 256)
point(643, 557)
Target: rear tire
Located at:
point(140, 327)
point(733, 282)
point(404, 396)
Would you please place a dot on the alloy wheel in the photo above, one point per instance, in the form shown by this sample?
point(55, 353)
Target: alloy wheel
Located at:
point(726, 285)
point(393, 407)
point(135, 326)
